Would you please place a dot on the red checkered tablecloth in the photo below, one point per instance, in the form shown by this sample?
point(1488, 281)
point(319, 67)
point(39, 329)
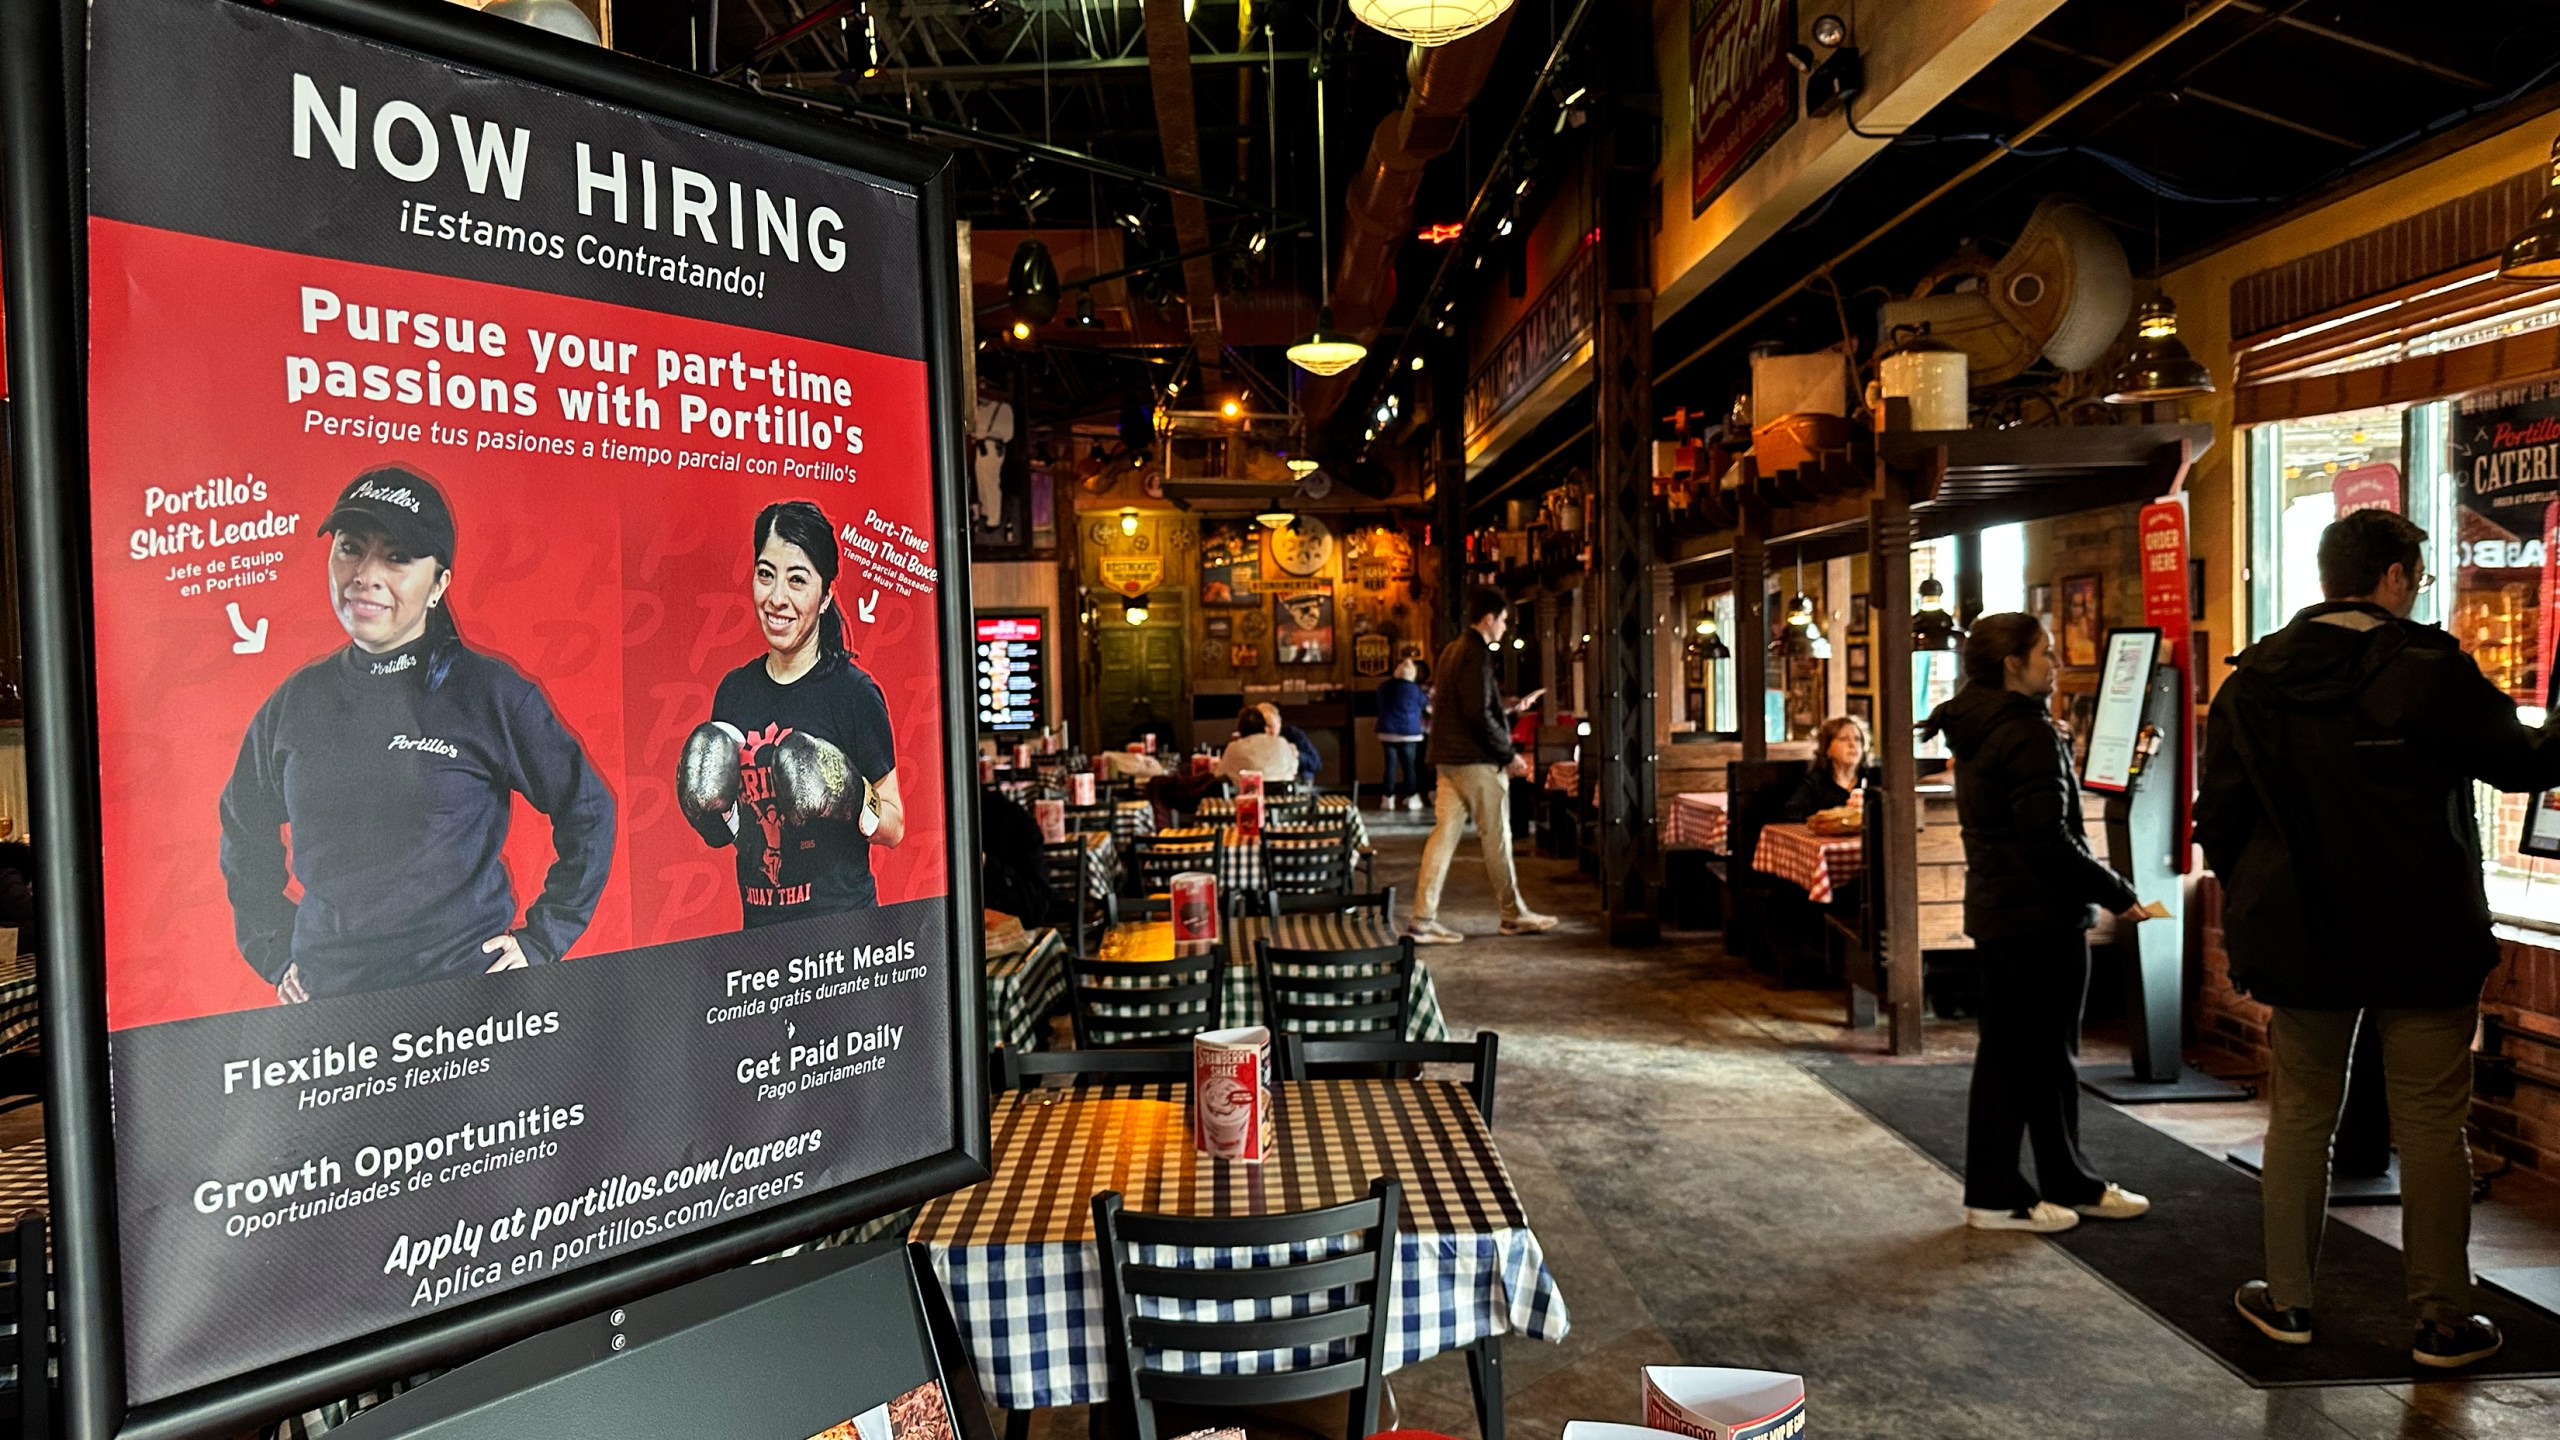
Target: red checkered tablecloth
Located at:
point(1819, 863)
point(1695, 821)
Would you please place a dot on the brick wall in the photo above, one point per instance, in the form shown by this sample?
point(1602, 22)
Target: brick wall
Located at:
point(2523, 993)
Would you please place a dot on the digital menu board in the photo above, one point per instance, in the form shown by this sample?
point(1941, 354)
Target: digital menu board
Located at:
point(1013, 671)
point(2115, 732)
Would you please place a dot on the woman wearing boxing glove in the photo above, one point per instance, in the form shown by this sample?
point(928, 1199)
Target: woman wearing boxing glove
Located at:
point(393, 764)
point(796, 767)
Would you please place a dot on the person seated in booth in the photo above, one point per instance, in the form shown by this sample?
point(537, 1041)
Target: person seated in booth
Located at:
point(1013, 876)
point(1840, 752)
point(1256, 747)
point(1310, 764)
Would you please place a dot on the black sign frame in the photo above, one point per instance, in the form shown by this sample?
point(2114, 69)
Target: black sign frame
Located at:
point(1047, 642)
point(43, 264)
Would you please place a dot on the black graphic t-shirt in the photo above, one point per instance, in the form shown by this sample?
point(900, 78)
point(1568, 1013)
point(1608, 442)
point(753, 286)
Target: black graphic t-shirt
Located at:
point(787, 872)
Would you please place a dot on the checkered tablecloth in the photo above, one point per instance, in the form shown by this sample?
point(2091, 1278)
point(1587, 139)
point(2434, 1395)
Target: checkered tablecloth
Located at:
point(1101, 864)
point(1564, 776)
point(1239, 864)
point(17, 1001)
point(1695, 821)
point(1133, 818)
point(22, 1182)
point(1819, 863)
point(1220, 809)
point(1022, 988)
point(1016, 1254)
point(1241, 1000)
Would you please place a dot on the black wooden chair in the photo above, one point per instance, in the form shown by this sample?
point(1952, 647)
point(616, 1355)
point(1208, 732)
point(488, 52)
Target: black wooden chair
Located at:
point(1025, 1069)
point(26, 1300)
point(1153, 860)
point(1097, 817)
point(1124, 1003)
point(1348, 993)
point(1277, 902)
point(1319, 1057)
point(1141, 1301)
point(1755, 792)
point(1070, 899)
point(1128, 909)
point(1311, 858)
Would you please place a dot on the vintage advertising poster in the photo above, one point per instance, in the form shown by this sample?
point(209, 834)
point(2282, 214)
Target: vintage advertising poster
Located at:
point(1742, 92)
point(1302, 625)
point(519, 681)
point(2506, 456)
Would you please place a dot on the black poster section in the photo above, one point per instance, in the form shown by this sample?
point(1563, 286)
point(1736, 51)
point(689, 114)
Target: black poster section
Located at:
point(634, 1122)
point(2506, 456)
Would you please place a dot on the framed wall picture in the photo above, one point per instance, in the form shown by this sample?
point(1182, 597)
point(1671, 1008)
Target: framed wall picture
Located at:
point(1857, 617)
point(1302, 624)
point(1230, 565)
point(2084, 620)
point(1244, 655)
point(1863, 707)
point(1219, 627)
point(1858, 677)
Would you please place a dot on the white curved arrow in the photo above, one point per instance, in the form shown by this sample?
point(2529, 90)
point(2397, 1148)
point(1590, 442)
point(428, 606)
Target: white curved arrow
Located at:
point(251, 641)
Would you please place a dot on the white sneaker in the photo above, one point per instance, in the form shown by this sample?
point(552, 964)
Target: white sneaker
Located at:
point(2042, 1218)
point(1432, 932)
point(1528, 922)
point(1413, 802)
point(2117, 1204)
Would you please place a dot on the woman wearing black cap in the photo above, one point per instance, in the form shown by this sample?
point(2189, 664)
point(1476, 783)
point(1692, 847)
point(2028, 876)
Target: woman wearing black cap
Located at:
point(394, 764)
point(796, 767)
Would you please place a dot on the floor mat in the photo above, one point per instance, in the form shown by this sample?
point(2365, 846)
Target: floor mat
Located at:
point(2201, 1240)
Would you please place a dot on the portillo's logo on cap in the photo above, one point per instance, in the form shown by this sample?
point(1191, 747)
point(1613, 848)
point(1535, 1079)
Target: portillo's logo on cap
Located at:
point(402, 497)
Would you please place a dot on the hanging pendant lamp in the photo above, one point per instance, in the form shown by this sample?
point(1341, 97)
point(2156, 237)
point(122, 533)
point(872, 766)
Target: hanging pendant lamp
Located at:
point(1934, 628)
point(1325, 351)
point(2158, 366)
point(2535, 252)
point(1428, 22)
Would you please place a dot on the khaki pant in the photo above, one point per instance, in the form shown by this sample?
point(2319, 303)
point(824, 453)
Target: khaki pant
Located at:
point(2426, 1069)
point(1483, 793)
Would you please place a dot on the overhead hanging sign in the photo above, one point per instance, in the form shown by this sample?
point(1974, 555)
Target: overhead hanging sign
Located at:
point(527, 606)
point(1742, 91)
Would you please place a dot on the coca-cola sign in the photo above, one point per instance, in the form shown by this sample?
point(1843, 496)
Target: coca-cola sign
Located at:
point(1742, 92)
point(2506, 455)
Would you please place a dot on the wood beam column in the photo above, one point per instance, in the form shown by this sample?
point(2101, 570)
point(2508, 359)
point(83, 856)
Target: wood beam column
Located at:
point(1898, 898)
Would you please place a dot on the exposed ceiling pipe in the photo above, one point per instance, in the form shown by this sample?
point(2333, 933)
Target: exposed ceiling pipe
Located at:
point(1378, 210)
point(1169, 70)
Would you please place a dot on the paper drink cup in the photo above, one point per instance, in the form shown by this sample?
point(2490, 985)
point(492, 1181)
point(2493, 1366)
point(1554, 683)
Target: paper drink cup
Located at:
point(1195, 912)
point(1231, 1094)
point(1052, 815)
point(1080, 787)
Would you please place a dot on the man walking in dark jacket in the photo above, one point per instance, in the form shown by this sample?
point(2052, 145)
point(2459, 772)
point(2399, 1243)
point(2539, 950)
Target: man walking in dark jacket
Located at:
point(1471, 744)
point(2335, 807)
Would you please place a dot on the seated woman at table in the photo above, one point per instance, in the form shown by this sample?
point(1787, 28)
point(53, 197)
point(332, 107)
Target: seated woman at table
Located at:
point(2031, 889)
point(1310, 763)
point(1258, 747)
point(1839, 752)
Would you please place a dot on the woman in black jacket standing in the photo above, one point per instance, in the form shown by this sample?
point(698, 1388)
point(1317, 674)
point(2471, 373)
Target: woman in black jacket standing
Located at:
point(394, 763)
point(2030, 887)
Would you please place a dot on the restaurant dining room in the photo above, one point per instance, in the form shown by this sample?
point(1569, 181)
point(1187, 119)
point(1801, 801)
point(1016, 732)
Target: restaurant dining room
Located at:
point(1760, 719)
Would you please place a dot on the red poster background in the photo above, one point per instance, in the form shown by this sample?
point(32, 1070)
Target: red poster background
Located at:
point(620, 589)
point(2163, 530)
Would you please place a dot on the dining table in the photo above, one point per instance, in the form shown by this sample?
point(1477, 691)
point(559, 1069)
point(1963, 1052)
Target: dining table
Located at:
point(1101, 863)
point(1221, 810)
point(1819, 863)
point(1016, 1252)
point(1695, 820)
point(17, 1002)
point(1023, 986)
point(1239, 973)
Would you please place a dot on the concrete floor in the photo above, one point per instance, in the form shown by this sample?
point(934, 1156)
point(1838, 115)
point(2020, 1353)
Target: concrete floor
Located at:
point(1702, 1200)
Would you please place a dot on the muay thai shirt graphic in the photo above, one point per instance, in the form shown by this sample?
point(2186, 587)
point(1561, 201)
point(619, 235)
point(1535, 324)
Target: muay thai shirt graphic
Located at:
point(786, 871)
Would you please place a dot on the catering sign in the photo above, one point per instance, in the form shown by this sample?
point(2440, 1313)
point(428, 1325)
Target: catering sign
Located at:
point(1742, 92)
point(524, 653)
point(2506, 455)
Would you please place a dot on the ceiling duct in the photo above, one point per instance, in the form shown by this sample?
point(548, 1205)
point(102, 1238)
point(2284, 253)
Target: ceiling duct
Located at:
point(1378, 209)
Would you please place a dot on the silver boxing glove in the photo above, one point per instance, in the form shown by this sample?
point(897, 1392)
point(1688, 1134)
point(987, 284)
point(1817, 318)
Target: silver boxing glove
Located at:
point(707, 780)
point(814, 780)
